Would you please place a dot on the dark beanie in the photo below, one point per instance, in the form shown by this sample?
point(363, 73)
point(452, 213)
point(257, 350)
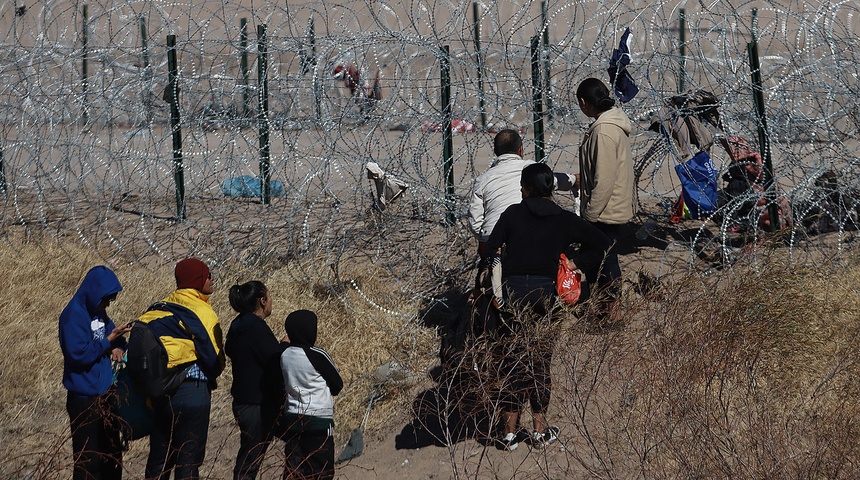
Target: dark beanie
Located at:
point(301, 327)
point(191, 273)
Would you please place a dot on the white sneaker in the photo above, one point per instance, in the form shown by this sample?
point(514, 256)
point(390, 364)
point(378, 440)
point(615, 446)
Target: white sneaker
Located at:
point(509, 442)
point(542, 440)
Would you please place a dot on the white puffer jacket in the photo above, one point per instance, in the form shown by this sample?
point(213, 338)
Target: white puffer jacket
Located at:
point(494, 191)
point(497, 189)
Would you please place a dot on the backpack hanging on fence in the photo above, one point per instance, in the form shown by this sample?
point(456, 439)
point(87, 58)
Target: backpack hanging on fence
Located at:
point(698, 198)
point(147, 357)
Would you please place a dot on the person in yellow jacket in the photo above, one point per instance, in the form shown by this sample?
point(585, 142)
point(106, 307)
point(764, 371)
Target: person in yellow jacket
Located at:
point(189, 329)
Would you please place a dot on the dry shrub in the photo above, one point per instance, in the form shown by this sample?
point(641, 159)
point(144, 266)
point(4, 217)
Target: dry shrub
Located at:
point(752, 375)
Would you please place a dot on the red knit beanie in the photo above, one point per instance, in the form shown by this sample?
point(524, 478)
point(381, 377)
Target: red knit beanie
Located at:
point(191, 273)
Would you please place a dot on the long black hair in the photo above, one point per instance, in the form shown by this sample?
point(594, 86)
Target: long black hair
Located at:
point(243, 298)
point(595, 93)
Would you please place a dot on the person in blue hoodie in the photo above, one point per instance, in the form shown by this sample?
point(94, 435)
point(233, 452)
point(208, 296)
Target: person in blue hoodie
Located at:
point(89, 341)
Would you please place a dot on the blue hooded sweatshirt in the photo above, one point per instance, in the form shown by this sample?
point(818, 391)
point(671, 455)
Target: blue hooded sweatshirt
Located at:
point(84, 329)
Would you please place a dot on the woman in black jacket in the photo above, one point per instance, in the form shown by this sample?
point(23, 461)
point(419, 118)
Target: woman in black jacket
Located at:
point(257, 389)
point(529, 237)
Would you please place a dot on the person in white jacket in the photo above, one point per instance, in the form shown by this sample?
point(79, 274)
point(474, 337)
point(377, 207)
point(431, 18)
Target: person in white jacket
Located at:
point(499, 187)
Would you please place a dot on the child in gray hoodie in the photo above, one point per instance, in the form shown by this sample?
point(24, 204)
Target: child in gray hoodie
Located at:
point(311, 380)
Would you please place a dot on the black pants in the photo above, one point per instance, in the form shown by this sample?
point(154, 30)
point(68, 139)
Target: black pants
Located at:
point(525, 372)
point(309, 455)
point(96, 445)
point(609, 280)
point(526, 351)
point(255, 426)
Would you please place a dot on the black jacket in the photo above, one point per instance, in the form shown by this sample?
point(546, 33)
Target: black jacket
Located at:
point(536, 231)
point(255, 354)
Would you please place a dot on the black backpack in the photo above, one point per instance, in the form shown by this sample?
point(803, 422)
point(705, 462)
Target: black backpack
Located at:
point(146, 358)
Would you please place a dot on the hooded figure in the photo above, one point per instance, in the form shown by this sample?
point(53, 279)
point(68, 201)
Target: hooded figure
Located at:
point(311, 380)
point(310, 376)
point(89, 340)
point(84, 330)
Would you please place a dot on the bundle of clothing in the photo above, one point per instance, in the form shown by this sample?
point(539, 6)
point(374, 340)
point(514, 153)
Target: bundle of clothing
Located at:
point(693, 122)
point(386, 188)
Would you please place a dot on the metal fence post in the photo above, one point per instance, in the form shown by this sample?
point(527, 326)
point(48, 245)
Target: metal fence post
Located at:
point(682, 28)
point(537, 98)
point(763, 138)
point(447, 138)
point(547, 66)
point(243, 63)
point(263, 113)
point(85, 114)
point(480, 61)
point(175, 126)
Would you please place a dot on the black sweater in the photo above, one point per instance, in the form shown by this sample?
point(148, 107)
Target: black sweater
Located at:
point(255, 354)
point(536, 231)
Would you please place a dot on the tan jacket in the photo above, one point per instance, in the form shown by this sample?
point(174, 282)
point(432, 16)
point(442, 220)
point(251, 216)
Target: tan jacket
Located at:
point(607, 182)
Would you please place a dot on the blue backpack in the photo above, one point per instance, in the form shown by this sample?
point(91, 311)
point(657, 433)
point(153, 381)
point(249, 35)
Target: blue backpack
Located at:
point(698, 177)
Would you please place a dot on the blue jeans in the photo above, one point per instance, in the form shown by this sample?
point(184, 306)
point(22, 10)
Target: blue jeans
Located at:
point(178, 441)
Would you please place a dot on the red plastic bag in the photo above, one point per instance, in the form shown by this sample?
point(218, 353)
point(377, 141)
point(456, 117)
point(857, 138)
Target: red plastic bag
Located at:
point(568, 283)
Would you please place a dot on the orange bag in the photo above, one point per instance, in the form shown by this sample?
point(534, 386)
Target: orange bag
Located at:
point(568, 283)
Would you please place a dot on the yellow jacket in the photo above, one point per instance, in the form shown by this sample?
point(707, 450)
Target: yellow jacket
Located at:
point(193, 338)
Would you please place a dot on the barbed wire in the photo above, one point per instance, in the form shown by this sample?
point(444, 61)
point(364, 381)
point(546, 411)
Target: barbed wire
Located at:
point(88, 148)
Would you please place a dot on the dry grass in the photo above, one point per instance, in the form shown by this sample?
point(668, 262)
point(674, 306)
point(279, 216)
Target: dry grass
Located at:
point(752, 374)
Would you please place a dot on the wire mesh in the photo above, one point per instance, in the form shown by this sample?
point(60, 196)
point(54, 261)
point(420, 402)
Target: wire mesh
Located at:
point(87, 146)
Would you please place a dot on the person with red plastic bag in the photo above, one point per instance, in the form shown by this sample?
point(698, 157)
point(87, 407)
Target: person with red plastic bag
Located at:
point(528, 240)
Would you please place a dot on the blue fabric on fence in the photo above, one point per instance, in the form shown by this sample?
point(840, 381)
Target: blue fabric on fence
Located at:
point(698, 177)
point(620, 79)
point(246, 186)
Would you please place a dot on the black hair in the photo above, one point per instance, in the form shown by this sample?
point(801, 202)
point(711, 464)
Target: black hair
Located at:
point(595, 93)
point(507, 141)
point(538, 180)
point(243, 298)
